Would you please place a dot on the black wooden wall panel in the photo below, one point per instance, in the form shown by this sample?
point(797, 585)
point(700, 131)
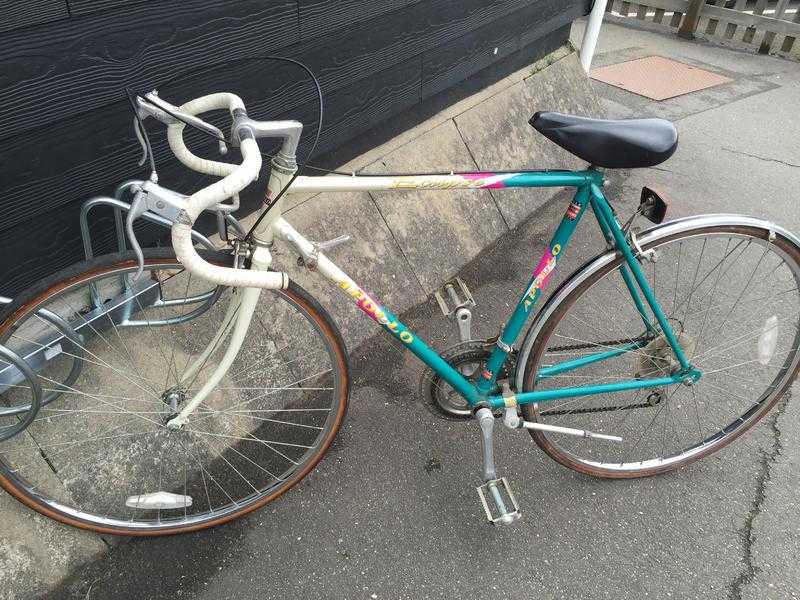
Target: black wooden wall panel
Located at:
point(67, 129)
point(78, 65)
point(318, 17)
point(85, 7)
point(15, 14)
point(455, 60)
point(97, 145)
point(540, 27)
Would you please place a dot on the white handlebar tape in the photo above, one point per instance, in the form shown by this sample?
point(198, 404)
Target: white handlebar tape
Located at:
point(236, 178)
point(175, 133)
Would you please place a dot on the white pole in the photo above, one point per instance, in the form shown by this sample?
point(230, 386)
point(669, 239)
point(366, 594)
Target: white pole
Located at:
point(591, 33)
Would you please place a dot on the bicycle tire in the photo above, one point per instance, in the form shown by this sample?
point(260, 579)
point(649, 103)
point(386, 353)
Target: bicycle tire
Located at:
point(319, 321)
point(575, 454)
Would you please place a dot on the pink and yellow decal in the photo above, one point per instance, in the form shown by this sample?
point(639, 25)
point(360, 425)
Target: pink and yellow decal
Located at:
point(489, 180)
point(375, 311)
point(460, 181)
point(541, 274)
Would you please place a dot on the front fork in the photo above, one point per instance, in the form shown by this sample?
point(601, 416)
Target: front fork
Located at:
point(240, 311)
point(236, 324)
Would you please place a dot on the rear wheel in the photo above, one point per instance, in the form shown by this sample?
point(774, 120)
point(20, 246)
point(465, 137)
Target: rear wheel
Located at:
point(731, 294)
point(99, 455)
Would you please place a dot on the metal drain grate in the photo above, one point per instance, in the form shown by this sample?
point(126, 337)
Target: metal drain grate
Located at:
point(657, 77)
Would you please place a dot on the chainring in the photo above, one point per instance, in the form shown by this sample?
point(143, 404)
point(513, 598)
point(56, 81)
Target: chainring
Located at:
point(468, 358)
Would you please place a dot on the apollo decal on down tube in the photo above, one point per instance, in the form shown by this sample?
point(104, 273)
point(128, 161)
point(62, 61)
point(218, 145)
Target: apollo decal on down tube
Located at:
point(375, 311)
point(541, 274)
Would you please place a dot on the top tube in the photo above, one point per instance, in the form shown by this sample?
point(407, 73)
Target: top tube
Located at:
point(452, 181)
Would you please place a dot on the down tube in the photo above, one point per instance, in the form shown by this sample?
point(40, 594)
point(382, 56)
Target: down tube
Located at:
point(414, 344)
point(541, 274)
point(391, 324)
point(370, 307)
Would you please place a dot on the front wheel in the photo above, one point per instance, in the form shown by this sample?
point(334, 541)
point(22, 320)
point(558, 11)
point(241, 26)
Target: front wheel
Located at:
point(731, 295)
point(99, 455)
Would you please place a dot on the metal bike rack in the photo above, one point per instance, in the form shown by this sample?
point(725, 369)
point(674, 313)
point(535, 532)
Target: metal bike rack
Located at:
point(68, 339)
point(26, 413)
point(120, 206)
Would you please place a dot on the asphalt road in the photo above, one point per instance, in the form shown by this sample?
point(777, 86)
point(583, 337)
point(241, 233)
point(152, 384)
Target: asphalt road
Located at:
point(392, 511)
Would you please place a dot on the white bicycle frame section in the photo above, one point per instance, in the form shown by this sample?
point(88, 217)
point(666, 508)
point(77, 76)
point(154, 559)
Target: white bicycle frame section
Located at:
point(275, 227)
point(234, 178)
point(243, 305)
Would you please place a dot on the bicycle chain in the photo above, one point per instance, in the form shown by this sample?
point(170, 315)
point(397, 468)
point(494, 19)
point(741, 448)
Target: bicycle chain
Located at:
point(555, 412)
point(583, 411)
point(641, 338)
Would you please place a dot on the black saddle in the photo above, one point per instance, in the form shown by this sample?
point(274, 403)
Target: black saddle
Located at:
point(625, 144)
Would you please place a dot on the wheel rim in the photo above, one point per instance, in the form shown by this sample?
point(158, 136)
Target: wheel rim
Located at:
point(266, 425)
point(725, 402)
point(14, 418)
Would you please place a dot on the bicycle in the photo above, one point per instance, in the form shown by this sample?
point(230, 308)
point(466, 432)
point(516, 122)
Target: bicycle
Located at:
point(196, 403)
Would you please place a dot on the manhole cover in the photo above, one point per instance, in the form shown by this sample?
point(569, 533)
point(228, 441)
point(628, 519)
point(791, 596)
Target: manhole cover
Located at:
point(657, 77)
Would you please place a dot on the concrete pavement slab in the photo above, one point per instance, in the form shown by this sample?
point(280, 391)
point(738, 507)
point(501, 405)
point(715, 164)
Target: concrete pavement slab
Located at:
point(437, 230)
point(773, 543)
point(35, 554)
point(498, 134)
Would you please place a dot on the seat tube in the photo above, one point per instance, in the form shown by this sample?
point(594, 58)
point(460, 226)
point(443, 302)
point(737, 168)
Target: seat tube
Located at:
point(541, 274)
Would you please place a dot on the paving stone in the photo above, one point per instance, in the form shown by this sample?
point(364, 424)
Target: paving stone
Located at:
point(500, 138)
point(438, 230)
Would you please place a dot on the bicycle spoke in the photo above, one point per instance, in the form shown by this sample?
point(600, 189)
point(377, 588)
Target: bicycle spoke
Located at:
point(733, 301)
point(103, 433)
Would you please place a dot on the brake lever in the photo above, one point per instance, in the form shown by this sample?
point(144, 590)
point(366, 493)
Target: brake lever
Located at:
point(137, 209)
point(152, 105)
point(138, 131)
point(140, 135)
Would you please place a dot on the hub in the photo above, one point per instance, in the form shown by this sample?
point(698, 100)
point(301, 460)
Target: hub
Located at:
point(173, 398)
point(657, 358)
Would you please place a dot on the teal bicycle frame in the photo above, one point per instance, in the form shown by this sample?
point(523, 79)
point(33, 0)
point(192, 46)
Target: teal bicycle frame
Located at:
point(588, 185)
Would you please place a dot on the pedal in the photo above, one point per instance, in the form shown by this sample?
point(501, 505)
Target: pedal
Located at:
point(460, 304)
point(458, 294)
point(496, 496)
point(499, 502)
